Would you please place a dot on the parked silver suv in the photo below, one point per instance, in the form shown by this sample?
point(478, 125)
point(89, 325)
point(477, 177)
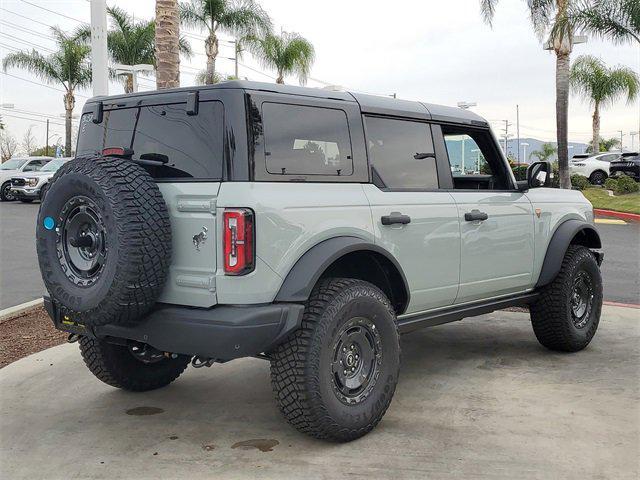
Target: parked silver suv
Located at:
point(305, 227)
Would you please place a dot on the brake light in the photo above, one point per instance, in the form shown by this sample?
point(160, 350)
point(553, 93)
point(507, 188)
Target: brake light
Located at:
point(117, 152)
point(238, 241)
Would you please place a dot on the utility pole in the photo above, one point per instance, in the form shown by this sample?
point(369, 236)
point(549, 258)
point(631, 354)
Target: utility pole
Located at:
point(518, 130)
point(632, 135)
point(236, 49)
point(99, 71)
point(507, 124)
point(621, 135)
point(46, 152)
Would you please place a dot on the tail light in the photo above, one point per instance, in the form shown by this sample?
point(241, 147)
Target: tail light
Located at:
point(238, 241)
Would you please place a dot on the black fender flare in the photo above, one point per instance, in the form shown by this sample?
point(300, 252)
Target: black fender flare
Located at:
point(559, 243)
point(314, 262)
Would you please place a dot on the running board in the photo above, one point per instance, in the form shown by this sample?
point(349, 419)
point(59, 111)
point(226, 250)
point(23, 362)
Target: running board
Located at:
point(454, 313)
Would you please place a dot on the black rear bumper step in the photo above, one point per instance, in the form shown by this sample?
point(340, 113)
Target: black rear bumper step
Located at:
point(222, 332)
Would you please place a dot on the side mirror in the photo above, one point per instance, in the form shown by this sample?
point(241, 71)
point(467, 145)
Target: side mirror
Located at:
point(539, 174)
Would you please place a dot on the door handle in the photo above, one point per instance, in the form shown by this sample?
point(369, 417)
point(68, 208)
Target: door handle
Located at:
point(395, 217)
point(475, 215)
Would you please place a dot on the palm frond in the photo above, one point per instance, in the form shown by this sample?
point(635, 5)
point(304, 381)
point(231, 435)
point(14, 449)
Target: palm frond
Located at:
point(42, 67)
point(194, 14)
point(600, 85)
point(243, 18)
point(488, 10)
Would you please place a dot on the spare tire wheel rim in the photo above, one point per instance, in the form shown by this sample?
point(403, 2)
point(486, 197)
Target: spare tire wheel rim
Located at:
point(581, 299)
point(356, 360)
point(81, 241)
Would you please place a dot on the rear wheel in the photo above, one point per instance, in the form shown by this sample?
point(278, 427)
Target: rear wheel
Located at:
point(130, 367)
point(566, 315)
point(598, 177)
point(335, 377)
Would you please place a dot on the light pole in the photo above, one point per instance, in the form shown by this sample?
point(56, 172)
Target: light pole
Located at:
point(465, 106)
point(632, 135)
point(477, 152)
point(524, 155)
point(99, 58)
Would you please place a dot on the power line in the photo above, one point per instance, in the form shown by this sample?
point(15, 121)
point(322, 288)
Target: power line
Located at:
point(41, 84)
point(31, 44)
point(53, 11)
point(27, 30)
point(25, 17)
point(32, 119)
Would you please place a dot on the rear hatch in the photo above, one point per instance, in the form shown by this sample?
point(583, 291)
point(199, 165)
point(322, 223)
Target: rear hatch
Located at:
point(183, 151)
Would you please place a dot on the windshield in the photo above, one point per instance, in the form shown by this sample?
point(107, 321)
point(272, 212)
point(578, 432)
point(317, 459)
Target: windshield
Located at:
point(53, 165)
point(13, 164)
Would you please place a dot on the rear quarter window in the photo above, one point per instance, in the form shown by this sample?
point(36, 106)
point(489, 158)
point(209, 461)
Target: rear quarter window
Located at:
point(305, 140)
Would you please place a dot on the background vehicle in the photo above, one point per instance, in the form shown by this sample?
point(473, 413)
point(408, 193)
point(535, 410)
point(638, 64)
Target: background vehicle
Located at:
point(31, 186)
point(594, 167)
point(306, 227)
point(15, 166)
point(627, 164)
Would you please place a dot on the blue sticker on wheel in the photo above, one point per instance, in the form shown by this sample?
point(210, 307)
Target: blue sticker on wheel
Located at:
point(49, 223)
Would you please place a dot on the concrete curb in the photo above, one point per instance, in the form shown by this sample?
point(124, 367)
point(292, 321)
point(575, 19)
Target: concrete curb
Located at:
point(634, 217)
point(12, 312)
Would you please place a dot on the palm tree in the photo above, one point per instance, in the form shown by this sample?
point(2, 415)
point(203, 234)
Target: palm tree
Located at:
point(618, 20)
point(604, 145)
point(68, 66)
point(131, 42)
point(167, 44)
point(236, 17)
point(602, 86)
point(287, 54)
point(547, 151)
point(559, 20)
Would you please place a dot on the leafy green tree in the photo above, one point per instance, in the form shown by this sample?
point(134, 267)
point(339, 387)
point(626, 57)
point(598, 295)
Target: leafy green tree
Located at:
point(235, 17)
point(602, 86)
point(287, 54)
point(545, 153)
point(68, 66)
point(131, 42)
point(558, 20)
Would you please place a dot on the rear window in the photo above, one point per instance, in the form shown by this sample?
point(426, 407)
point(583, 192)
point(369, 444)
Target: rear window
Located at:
point(302, 140)
point(192, 145)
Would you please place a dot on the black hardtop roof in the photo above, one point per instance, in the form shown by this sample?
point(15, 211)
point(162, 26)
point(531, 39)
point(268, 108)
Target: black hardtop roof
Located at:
point(368, 103)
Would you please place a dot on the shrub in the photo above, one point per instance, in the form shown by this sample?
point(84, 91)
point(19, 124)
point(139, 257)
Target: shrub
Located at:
point(580, 182)
point(626, 185)
point(611, 184)
point(520, 171)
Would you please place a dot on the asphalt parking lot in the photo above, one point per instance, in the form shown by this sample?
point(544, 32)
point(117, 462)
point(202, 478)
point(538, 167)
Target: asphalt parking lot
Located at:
point(476, 399)
point(20, 277)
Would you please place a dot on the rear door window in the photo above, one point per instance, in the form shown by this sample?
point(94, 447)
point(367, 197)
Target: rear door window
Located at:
point(304, 140)
point(401, 153)
point(115, 130)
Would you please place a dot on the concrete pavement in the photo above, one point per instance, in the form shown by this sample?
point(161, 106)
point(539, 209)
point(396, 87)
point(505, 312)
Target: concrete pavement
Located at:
point(476, 399)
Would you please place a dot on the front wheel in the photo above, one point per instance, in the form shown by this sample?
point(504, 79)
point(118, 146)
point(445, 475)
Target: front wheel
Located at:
point(598, 177)
point(334, 378)
point(6, 195)
point(566, 315)
point(133, 368)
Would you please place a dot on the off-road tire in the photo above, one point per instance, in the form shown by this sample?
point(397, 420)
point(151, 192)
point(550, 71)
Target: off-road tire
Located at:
point(116, 366)
point(137, 240)
point(598, 177)
point(551, 313)
point(300, 367)
point(43, 191)
point(26, 200)
point(5, 195)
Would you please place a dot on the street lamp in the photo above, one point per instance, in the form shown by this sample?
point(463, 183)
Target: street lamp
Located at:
point(133, 71)
point(477, 152)
point(524, 155)
point(632, 134)
point(465, 106)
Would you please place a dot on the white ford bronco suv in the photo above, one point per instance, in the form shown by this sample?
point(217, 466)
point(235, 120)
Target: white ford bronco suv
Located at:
point(305, 227)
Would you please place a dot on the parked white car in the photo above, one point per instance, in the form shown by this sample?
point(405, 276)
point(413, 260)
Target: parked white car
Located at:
point(30, 186)
point(594, 167)
point(16, 166)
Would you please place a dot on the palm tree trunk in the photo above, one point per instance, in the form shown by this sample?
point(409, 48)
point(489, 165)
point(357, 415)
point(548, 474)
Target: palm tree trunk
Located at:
point(562, 113)
point(128, 83)
point(595, 142)
point(280, 78)
point(211, 49)
point(167, 44)
point(69, 103)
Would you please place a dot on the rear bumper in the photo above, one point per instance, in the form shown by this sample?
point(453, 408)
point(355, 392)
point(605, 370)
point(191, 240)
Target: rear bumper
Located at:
point(222, 332)
point(633, 172)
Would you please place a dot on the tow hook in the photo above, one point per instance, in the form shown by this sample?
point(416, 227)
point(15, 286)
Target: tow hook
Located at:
point(73, 337)
point(199, 362)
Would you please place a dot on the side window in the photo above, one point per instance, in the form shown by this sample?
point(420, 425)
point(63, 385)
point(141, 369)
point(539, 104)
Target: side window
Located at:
point(303, 140)
point(401, 153)
point(475, 161)
point(191, 145)
point(33, 166)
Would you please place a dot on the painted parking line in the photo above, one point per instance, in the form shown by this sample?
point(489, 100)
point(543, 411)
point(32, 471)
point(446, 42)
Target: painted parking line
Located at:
point(610, 221)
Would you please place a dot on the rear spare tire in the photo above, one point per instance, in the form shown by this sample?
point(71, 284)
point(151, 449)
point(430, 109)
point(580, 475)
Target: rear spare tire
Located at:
point(103, 240)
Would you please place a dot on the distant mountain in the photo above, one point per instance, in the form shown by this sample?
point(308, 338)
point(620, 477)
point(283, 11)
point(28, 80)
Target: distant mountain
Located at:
point(535, 144)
